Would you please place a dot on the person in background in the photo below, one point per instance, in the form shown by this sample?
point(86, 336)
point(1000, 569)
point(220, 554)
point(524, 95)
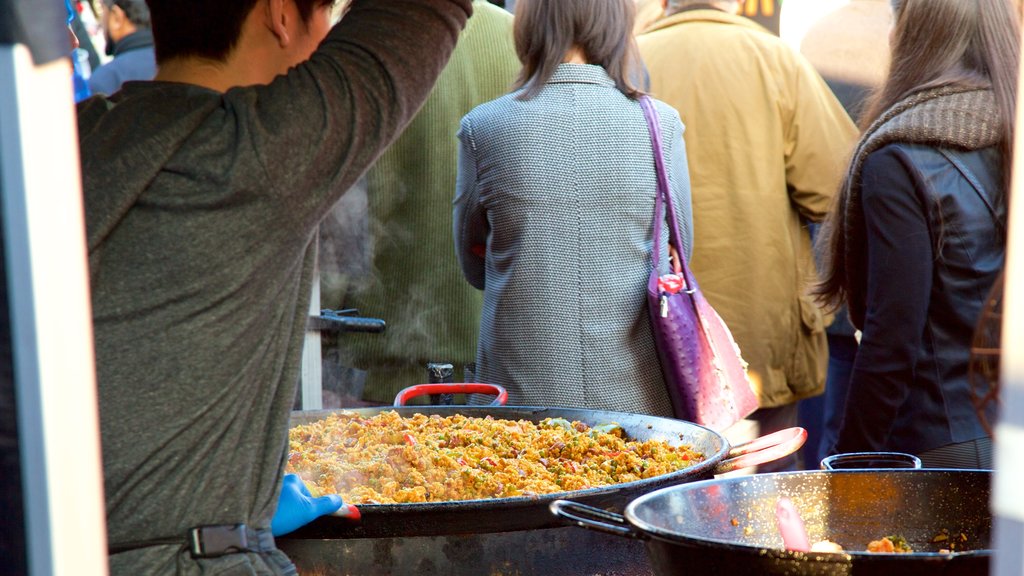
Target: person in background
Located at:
point(81, 30)
point(647, 11)
point(554, 214)
point(79, 70)
point(767, 140)
point(796, 17)
point(130, 41)
point(203, 193)
point(849, 47)
point(918, 235)
point(415, 283)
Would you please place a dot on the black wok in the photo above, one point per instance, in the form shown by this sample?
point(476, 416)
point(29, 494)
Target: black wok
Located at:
point(521, 513)
point(728, 525)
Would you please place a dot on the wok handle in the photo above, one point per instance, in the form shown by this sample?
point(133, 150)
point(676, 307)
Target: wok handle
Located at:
point(349, 511)
point(767, 448)
point(456, 388)
point(870, 460)
point(594, 519)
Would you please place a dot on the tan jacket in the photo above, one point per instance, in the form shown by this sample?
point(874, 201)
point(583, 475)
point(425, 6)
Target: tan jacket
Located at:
point(767, 142)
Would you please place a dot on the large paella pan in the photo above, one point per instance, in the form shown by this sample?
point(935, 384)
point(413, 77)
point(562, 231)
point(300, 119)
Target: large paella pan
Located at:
point(530, 511)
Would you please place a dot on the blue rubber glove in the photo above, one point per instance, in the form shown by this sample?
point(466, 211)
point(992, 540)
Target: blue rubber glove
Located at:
point(297, 507)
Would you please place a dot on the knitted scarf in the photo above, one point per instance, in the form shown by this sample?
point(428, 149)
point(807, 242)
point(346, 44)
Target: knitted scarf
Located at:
point(945, 117)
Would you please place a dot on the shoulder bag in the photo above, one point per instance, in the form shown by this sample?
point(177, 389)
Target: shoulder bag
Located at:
point(706, 377)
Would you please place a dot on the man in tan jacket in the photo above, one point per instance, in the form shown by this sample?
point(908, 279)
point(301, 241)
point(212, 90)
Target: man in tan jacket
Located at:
point(767, 143)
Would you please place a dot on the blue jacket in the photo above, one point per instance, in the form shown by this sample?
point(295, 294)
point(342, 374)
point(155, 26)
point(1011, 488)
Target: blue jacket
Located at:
point(134, 59)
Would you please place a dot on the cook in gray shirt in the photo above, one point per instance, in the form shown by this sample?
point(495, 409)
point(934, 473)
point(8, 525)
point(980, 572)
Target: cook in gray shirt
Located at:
point(203, 193)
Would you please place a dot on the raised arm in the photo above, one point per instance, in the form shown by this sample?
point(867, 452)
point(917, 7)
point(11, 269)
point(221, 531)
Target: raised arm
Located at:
point(319, 127)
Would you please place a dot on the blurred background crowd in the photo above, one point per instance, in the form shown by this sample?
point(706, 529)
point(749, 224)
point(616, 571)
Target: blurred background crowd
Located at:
point(771, 104)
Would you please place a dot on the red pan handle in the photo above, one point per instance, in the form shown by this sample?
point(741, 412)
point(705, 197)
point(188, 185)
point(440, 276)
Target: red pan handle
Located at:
point(767, 448)
point(348, 511)
point(457, 388)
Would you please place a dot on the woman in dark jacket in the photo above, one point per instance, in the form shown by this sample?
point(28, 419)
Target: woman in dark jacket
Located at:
point(918, 234)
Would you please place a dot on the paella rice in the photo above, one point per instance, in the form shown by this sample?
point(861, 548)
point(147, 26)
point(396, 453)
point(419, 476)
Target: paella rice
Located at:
point(389, 459)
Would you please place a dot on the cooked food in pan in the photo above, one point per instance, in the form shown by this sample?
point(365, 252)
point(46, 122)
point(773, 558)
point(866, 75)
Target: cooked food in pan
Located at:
point(890, 545)
point(388, 459)
point(885, 545)
point(952, 541)
point(826, 546)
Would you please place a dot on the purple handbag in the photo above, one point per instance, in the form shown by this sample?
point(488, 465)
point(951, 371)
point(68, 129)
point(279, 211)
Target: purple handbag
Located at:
point(706, 377)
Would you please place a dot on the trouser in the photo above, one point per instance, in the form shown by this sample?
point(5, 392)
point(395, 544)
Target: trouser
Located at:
point(823, 415)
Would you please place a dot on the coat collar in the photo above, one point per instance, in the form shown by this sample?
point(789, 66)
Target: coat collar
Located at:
point(143, 38)
point(705, 15)
point(581, 74)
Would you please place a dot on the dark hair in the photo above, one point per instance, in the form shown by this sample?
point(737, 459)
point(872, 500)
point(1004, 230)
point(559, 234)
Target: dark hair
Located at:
point(545, 30)
point(135, 10)
point(938, 43)
point(206, 28)
point(954, 43)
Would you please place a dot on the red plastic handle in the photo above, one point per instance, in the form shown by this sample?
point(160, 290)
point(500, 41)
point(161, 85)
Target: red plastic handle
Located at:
point(348, 511)
point(456, 388)
point(767, 448)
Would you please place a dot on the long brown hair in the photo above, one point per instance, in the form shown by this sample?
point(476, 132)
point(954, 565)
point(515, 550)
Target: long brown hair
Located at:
point(545, 30)
point(953, 43)
point(938, 43)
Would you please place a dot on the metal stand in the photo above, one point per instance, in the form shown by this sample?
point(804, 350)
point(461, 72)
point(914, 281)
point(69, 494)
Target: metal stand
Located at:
point(331, 322)
point(312, 376)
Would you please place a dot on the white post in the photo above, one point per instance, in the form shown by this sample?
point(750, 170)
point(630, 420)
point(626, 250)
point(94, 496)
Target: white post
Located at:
point(312, 366)
point(51, 319)
point(1007, 501)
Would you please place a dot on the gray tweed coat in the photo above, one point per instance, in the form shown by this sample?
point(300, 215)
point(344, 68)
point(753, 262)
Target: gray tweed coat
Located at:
point(560, 192)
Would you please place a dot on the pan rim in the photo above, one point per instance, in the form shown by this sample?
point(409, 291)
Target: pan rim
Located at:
point(707, 466)
point(674, 537)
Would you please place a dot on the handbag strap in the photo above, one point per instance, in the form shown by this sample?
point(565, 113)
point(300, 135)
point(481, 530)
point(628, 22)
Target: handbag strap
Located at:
point(663, 199)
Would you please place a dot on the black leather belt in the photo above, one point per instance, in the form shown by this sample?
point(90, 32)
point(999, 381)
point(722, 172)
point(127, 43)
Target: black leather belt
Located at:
point(211, 541)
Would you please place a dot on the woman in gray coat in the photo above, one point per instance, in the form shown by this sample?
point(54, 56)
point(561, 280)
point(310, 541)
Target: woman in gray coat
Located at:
point(554, 214)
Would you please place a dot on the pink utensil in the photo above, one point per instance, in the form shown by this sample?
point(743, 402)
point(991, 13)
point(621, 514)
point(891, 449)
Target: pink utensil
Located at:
point(791, 526)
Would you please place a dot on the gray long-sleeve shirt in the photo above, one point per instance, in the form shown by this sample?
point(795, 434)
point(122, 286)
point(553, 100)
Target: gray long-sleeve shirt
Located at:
point(202, 210)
